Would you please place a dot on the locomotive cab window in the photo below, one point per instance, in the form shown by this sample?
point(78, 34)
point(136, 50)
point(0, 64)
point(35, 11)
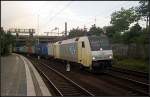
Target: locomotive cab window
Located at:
point(83, 45)
point(98, 43)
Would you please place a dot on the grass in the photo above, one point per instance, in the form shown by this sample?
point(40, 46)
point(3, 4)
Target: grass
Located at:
point(132, 64)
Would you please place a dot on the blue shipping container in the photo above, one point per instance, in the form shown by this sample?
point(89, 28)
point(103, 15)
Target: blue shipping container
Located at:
point(42, 49)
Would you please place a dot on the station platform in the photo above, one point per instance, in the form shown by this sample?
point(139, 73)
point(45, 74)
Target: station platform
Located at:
point(20, 78)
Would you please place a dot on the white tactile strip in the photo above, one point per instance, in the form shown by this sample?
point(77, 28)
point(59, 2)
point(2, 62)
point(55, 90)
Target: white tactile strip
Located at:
point(41, 83)
point(30, 85)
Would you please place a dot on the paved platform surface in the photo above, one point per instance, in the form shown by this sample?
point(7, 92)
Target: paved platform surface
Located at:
point(20, 78)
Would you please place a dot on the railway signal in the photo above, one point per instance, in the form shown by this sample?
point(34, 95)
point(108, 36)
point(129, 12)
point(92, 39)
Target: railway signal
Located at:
point(29, 40)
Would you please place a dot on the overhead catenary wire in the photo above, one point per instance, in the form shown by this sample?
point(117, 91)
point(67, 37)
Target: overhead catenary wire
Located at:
point(50, 12)
point(38, 14)
point(42, 7)
point(55, 15)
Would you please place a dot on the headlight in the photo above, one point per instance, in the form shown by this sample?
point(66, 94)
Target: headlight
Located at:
point(93, 58)
point(101, 49)
point(110, 57)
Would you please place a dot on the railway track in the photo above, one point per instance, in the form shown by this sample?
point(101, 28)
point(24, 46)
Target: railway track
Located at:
point(62, 84)
point(136, 83)
point(134, 76)
point(132, 72)
point(141, 87)
point(123, 80)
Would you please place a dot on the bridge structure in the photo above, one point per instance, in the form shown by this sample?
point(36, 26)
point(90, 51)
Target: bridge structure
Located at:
point(31, 39)
point(22, 39)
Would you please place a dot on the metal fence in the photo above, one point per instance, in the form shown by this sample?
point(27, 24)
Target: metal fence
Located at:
point(131, 50)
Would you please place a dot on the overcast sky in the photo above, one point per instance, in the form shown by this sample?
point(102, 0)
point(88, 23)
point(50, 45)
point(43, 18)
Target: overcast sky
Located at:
point(24, 14)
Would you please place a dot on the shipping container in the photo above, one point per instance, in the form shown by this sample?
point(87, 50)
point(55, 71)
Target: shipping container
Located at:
point(42, 49)
point(50, 49)
point(24, 49)
point(56, 50)
point(30, 50)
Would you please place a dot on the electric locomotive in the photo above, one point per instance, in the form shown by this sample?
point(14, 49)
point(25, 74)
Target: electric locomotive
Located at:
point(91, 52)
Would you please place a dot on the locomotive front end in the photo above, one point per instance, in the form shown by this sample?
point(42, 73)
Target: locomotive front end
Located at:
point(102, 54)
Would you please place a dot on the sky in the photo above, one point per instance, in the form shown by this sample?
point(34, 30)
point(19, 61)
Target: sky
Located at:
point(46, 15)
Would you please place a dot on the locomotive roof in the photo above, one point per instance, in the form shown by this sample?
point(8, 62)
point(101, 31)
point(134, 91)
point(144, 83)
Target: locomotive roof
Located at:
point(71, 40)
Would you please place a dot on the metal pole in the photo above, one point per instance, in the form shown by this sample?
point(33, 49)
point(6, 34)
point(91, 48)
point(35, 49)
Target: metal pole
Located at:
point(58, 30)
point(38, 29)
point(95, 21)
point(38, 33)
point(65, 28)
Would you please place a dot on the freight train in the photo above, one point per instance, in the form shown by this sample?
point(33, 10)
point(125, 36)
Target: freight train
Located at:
point(89, 52)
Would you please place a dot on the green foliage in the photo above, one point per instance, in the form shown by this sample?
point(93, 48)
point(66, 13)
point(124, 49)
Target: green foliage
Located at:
point(142, 9)
point(95, 30)
point(6, 40)
point(143, 37)
point(126, 37)
point(135, 35)
point(132, 64)
point(81, 32)
point(135, 29)
point(110, 31)
point(77, 32)
point(122, 19)
point(132, 35)
point(117, 38)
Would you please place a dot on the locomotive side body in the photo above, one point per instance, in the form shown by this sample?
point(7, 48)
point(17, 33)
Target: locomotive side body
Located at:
point(75, 50)
point(68, 50)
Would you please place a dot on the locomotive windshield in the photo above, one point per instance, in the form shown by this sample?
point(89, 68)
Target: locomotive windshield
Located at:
point(97, 43)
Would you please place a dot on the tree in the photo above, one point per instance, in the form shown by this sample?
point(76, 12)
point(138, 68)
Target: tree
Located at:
point(143, 11)
point(77, 32)
point(122, 19)
point(143, 38)
point(6, 40)
point(109, 31)
point(95, 30)
point(135, 35)
point(135, 30)
point(117, 38)
point(2, 41)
